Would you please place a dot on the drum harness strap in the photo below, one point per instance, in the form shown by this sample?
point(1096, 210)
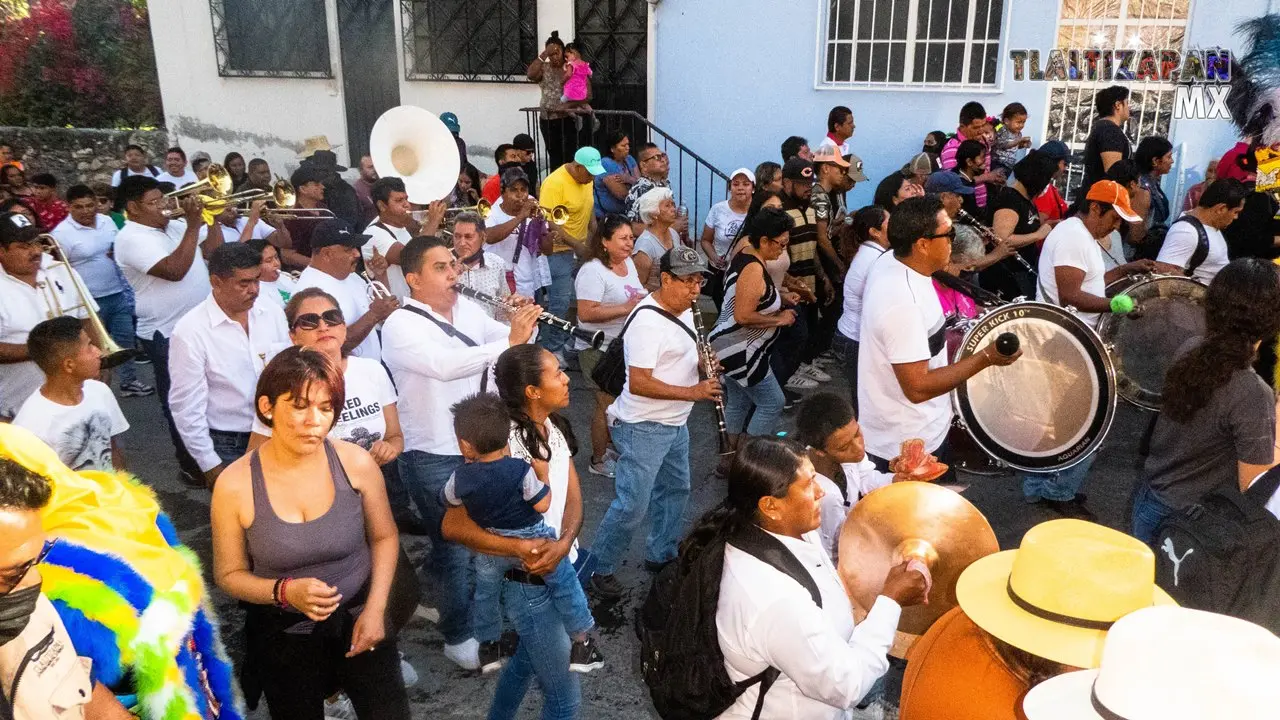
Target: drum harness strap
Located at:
point(1202, 247)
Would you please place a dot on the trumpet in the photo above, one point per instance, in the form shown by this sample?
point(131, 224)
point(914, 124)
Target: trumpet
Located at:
point(218, 180)
point(112, 353)
point(482, 208)
point(558, 215)
point(991, 237)
point(594, 338)
point(375, 290)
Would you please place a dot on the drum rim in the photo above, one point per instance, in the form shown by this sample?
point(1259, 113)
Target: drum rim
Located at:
point(1100, 427)
point(1105, 332)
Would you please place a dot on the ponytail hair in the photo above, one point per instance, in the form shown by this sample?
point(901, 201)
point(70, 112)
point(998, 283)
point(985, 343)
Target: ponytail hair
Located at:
point(867, 219)
point(1242, 308)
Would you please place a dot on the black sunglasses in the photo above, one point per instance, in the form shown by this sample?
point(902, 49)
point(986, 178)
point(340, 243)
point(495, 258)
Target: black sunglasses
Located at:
point(950, 234)
point(311, 321)
point(11, 578)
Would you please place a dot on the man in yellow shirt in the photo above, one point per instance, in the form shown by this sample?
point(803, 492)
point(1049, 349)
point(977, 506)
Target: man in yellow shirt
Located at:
point(571, 185)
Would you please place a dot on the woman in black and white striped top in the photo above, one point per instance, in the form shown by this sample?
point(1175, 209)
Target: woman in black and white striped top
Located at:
point(748, 325)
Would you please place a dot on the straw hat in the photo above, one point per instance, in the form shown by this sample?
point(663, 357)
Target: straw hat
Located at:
point(1059, 592)
point(314, 143)
point(1170, 663)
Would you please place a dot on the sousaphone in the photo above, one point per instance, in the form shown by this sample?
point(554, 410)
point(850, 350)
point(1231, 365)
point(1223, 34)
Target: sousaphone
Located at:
point(414, 145)
point(908, 520)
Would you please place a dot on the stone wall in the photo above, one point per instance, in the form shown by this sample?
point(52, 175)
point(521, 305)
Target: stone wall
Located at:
point(80, 155)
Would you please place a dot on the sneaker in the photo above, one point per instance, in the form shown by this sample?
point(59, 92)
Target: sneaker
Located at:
point(606, 586)
point(408, 675)
point(141, 358)
point(827, 358)
point(491, 659)
point(584, 656)
point(791, 398)
point(134, 388)
point(813, 372)
point(800, 381)
point(339, 708)
point(605, 468)
point(465, 654)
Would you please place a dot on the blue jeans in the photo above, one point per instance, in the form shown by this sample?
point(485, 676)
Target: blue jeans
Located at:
point(543, 653)
point(847, 350)
point(652, 474)
point(1062, 485)
point(566, 591)
point(230, 446)
point(448, 564)
point(559, 295)
point(116, 312)
point(767, 398)
point(788, 350)
point(1149, 512)
point(157, 349)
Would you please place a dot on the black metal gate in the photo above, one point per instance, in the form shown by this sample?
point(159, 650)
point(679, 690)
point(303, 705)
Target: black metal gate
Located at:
point(370, 81)
point(614, 39)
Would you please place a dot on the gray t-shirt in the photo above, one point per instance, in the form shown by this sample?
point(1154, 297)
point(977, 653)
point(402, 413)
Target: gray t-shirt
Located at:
point(1189, 460)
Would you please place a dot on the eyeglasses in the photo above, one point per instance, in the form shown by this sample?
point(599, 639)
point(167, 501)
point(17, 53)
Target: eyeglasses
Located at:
point(950, 234)
point(659, 156)
point(311, 321)
point(10, 579)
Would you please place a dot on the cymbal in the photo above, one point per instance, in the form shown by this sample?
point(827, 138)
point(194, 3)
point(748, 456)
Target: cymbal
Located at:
point(905, 520)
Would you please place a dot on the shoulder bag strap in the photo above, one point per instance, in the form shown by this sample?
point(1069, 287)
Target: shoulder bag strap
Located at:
point(452, 332)
point(1202, 247)
point(1265, 486)
point(665, 314)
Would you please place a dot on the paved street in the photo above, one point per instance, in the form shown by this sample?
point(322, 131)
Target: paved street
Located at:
point(616, 691)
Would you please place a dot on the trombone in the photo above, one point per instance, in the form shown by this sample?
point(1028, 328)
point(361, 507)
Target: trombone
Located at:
point(112, 354)
point(218, 181)
point(282, 193)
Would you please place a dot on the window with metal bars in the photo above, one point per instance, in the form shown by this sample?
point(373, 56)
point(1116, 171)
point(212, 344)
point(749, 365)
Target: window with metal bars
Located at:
point(912, 43)
point(281, 38)
point(469, 40)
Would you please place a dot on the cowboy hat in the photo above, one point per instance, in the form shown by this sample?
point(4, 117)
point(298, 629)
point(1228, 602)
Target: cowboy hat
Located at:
point(314, 143)
point(1059, 592)
point(1170, 663)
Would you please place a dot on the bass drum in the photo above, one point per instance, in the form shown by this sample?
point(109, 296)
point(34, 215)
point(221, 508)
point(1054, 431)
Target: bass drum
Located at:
point(1167, 311)
point(1054, 406)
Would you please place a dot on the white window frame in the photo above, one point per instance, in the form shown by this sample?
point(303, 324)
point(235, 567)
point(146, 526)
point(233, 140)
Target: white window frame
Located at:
point(824, 47)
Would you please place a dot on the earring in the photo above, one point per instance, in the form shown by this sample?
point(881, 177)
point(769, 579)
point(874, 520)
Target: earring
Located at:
point(268, 417)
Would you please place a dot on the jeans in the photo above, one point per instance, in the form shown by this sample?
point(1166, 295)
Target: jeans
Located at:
point(559, 295)
point(116, 312)
point(785, 356)
point(566, 591)
point(1149, 511)
point(767, 398)
point(847, 350)
point(449, 564)
point(652, 474)
point(1059, 486)
point(157, 349)
point(398, 495)
point(543, 653)
point(230, 446)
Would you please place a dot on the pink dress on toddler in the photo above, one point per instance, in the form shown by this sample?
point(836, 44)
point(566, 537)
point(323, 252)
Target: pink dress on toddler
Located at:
point(575, 88)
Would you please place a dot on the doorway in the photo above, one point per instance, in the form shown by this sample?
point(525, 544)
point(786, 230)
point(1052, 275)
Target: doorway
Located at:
point(370, 78)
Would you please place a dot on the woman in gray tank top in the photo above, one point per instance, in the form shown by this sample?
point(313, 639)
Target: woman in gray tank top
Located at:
point(303, 537)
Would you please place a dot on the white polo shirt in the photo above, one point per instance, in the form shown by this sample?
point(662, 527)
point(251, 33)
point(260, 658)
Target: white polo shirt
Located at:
point(159, 303)
point(86, 248)
point(186, 178)
point(22, 307)
point(352, 294)
point(232, 234)
point(433, 370)
point(383, 236)
point(214, 366)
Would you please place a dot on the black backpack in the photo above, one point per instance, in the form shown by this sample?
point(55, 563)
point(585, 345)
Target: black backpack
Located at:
point(1223, 554)
point(610, 374)
point(680, 656)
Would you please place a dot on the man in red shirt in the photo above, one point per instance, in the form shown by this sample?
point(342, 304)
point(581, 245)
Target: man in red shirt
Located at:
point(50, 209)
point(1050, 203)
point(507, 156)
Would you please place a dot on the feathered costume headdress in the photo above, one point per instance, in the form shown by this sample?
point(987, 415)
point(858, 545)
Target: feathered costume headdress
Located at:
point(1255, 80)
point(130, 594)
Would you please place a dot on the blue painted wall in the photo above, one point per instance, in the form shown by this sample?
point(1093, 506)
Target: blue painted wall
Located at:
point(736, 77)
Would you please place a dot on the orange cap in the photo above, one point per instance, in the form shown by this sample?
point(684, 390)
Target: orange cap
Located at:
point(1114, 194)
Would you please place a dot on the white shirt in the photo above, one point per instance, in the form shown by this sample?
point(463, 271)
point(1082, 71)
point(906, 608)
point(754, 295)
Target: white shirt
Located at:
point(22, 307)
point(1180, 244)
point(149, 171)
point(278, 291)
point(725, 223)
point(214, 367)
point(654, 343)
point(827, 143)
point(557, 475)
point(352, 294)
point(767, 619)
point(186, 178)
point(855, 282)
point(860, 478)
point(86, 249)
point(159, 303)
point(369, 393)
point(81, 433)
point(532, 271)
point(433, 370)
point(1070, 244)
point(900, 313)
point(489, 276)
point(383, 236)
point(600, 284)
point(261, 231)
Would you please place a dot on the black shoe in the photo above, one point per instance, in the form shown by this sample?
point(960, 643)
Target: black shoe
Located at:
point(410, 524)
point(606, 586)
point(509, 643)
point(791, 398)
point(1073, 508)
point(584, 656)
point(655, 567)
point(491, 659)
point(191, 481)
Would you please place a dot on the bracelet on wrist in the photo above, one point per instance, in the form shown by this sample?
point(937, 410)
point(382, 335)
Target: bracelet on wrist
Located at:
point(275, 591)
point(284, 589)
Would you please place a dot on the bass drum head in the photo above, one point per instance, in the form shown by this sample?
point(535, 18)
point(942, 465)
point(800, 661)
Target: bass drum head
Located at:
point(1050, 409)
point(1167, 312)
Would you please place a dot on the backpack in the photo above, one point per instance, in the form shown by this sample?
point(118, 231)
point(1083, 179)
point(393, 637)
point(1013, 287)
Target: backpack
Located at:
point(680, 657)
point(610, 374)
point(1223, 554)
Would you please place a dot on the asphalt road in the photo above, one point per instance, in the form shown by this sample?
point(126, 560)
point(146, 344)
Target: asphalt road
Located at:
point(616, 692)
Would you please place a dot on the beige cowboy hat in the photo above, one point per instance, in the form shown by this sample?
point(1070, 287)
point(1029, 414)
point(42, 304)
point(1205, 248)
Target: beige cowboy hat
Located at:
point(1170, 663)
point(315, 142)
point(1060, 591)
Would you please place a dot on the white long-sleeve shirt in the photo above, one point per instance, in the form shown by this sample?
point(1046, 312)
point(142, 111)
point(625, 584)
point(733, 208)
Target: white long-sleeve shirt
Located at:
point(213, 368)
point(766, 619)
point(433, 370)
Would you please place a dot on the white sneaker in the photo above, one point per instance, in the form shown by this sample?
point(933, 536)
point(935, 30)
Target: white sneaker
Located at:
point(800, 381)
point(407, 674)
point(339, 708)
point(465, 654)
point(814, 372)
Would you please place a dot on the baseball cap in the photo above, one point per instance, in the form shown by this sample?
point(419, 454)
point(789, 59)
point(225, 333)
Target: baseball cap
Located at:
point(514, 175)
point(682, 261)
point(451, 121)
point(335, 232)
point(946, 181)
point(855, 168)
point(305, 174)
point(830, 155)
point(745, 173)
point(15, 227)
point(1114, 194)
point(1056, 149)
point(523, 141)
point(799, 170)
point(589, 158)
point(920, 164)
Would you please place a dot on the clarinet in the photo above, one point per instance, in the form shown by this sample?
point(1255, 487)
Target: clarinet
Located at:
point(594, 338)
point(710, 369)
point(991, 237)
